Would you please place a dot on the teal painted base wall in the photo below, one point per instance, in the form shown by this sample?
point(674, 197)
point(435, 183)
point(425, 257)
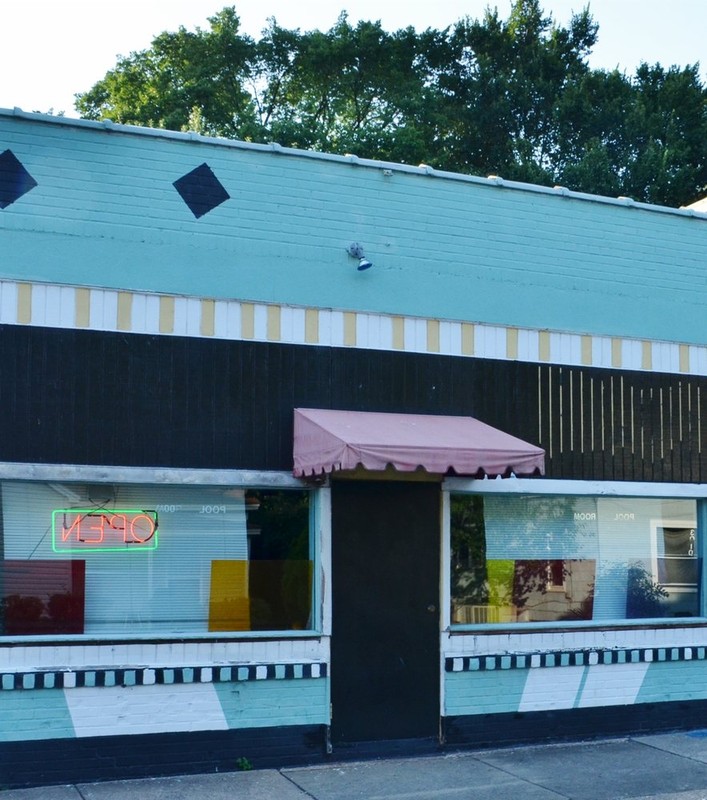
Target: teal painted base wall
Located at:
point(264, 704)
point(600, 685)
point(686, 680)
point(34, 714)
point(483, 692)
point(95, 711)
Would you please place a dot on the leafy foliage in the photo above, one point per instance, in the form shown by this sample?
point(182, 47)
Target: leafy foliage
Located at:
point(511, 97)
point(644, 595)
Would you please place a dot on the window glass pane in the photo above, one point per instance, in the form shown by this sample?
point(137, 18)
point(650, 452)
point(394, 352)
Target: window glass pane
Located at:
point(519, 559)
point(111, 559)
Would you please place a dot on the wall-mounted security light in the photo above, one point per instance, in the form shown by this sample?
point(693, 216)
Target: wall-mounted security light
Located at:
point(356, 251)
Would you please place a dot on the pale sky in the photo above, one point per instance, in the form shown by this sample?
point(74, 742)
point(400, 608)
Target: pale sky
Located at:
point(52, 49)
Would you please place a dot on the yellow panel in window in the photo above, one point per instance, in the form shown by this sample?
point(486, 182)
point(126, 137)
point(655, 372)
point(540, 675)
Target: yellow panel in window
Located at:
point(229, 604)
point(500, 573)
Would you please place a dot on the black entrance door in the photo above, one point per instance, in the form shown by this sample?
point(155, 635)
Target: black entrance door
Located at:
point(385, 633)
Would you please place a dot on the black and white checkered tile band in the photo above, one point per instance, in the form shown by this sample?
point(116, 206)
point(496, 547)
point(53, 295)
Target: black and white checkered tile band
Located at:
point(145, 676)
point(572, 658)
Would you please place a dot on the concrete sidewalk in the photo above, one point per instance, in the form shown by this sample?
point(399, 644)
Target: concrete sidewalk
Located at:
point(660, 767)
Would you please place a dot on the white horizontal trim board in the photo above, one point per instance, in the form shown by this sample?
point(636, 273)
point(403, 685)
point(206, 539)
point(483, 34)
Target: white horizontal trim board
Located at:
point(517, 649)
point(22, 656)
point(574, 488)
point(85, 308)
point(20, 471)
point(694, 210)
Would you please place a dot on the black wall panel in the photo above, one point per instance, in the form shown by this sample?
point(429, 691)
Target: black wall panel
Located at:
point(128, 756)
point(87, 397)
point(572, 724)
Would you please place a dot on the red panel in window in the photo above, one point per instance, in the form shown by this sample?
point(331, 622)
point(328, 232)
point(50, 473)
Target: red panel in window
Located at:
point(42, 597)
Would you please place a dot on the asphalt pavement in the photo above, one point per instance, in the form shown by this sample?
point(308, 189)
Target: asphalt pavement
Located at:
point(669, 766)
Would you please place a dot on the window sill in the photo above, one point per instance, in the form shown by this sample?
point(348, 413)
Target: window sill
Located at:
point(122, 639)
point(574, 627)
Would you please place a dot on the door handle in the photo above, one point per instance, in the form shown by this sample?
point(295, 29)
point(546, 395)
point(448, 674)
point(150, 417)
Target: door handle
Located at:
point(431, 608)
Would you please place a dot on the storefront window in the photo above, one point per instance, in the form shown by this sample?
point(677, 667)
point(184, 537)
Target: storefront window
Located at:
point(543, 558)
point(106, 560)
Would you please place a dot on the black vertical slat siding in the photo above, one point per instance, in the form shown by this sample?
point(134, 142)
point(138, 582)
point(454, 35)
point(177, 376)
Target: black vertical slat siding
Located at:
point(628, 428)
point(608, 437)
point(578, 465)
point(655, 432)
point(684, 465)
point(644, 432)
point(480, 391)
point(550, 418)
point(672, 428)
point(611, 399)
point(547, 428)
point(88, 397)
point(586, 432)
point(618, 428)
point(602, 438)
point(666, 430)
point(278, 385)
point(565, 415)
point(20, 387)
point(696, 398)
point(499, 388)
point(125, 381)
point(396, 383)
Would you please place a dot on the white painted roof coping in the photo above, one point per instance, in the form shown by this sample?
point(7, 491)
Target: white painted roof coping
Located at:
point(697, 210)
point(699, 205)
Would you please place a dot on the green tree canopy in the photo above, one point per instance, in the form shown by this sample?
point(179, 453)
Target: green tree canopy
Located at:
point(513, 97)
point(186, 81)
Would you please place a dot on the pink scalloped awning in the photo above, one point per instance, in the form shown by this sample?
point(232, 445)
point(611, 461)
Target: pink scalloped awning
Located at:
point(327, 440)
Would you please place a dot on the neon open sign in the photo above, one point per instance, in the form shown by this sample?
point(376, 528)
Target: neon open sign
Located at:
point(97, 530)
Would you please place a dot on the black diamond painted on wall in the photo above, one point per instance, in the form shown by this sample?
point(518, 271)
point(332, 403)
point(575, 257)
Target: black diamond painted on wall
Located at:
point(201, 190)
point(14, 179)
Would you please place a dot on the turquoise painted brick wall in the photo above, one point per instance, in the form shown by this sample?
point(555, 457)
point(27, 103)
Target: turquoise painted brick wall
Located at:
point(686, 680)
point(28, 715)
point(492, 692)
point(262, 704)
point(105, 213)
point(601, 685)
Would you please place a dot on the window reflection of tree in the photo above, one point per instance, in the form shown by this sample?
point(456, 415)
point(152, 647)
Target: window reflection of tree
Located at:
point(280, 564)
point(644, 596)
point(526, 588)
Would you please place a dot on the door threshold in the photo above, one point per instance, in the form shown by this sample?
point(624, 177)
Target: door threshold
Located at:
point(385, 748)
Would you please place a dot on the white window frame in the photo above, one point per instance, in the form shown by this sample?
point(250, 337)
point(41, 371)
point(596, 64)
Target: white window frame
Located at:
point(670, 523)
point(542, 486)
point(320, 532)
